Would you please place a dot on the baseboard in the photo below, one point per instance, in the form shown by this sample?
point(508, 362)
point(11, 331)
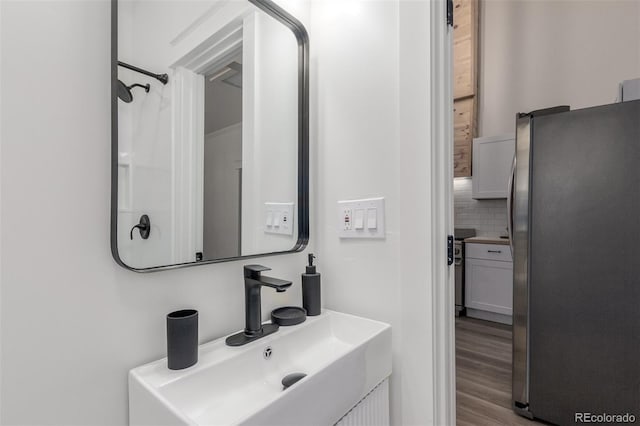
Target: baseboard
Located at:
point(489, 316)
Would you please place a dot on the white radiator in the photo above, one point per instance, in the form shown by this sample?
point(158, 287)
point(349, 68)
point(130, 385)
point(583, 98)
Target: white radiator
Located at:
point(372, 410)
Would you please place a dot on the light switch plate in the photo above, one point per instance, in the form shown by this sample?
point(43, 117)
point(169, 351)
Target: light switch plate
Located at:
point(354, 220)
point(282, 219)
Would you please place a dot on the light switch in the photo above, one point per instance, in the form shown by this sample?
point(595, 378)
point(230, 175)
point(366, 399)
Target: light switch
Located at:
point(279, 218)
point(372, 218)
point(359, 219)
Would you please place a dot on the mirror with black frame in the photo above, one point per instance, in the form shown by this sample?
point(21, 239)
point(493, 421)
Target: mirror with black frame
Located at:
point(209, 132)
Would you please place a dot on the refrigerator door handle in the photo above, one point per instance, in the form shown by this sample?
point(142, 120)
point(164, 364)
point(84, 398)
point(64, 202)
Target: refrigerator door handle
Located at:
point(510, 204)
point(519, 216)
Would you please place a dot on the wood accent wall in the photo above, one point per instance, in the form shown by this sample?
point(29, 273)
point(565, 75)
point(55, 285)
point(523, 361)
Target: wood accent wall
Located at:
point(465, 83)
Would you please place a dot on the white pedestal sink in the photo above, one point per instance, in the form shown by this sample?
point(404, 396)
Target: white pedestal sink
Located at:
point(344, 357)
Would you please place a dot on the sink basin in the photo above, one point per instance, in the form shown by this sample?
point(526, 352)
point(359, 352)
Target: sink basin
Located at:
point(343, 356)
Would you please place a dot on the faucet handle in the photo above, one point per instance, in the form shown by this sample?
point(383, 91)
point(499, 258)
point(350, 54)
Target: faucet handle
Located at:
point(253, 271)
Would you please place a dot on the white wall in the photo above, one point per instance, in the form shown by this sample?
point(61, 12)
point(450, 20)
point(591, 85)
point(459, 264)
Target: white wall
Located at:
point(370, 82)
point(222, 105)
point(223, 163)
point(537, 54)
point(72, 321)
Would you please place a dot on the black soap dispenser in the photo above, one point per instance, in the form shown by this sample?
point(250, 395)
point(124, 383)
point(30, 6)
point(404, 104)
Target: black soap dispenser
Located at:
point(311, 289)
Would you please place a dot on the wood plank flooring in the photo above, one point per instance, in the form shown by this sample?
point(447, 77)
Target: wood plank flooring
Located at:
point(483, 374)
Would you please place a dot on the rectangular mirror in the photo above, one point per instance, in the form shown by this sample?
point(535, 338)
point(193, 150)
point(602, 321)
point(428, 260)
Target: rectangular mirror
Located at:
point(210, 158)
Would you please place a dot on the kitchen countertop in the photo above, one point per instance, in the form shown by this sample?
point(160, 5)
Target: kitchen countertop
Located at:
point(488, 240)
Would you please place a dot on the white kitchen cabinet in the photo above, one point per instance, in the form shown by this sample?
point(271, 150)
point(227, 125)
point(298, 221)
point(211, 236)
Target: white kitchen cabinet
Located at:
point(489, 282)
point(492, 159)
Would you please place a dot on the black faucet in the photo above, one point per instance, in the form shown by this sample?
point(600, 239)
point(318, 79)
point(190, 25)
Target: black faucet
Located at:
point(253, 282)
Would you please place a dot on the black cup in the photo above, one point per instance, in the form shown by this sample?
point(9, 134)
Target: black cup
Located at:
point(182, 339)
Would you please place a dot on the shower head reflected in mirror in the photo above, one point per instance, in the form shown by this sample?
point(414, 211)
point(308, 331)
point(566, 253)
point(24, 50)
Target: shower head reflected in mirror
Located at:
point(124, 91)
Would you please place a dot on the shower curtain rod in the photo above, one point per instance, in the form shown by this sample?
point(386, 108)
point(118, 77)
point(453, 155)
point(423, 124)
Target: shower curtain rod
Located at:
point(163, 78)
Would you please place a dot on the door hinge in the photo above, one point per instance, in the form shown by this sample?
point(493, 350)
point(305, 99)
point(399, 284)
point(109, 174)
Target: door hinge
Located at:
point(449, 250)
point(449, 12)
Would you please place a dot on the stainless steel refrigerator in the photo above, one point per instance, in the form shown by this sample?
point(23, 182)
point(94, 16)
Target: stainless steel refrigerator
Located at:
point(575, 228)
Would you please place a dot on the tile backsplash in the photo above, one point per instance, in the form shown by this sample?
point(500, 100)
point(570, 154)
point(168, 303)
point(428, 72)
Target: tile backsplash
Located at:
point(488, 217)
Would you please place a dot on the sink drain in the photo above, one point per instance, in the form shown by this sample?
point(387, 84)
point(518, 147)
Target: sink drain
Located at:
point(267, 352)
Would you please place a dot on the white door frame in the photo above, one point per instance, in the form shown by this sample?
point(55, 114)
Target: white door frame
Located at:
point(442, 309)
point(187, 145)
